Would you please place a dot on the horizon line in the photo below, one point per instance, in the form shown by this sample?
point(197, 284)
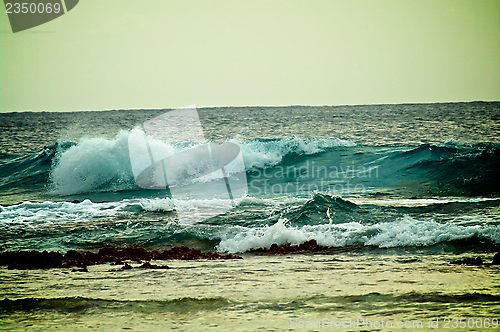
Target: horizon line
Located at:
point(256, 106)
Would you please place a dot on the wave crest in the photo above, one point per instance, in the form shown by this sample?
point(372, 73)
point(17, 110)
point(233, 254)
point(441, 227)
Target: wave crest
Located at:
point(94, 164)
point(402, 232)
point(103, 165)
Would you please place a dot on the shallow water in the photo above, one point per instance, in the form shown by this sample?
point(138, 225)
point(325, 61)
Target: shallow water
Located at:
point(256, 293)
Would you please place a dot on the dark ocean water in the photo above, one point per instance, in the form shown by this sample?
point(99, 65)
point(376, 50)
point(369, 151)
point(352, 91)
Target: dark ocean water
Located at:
point(386, 176)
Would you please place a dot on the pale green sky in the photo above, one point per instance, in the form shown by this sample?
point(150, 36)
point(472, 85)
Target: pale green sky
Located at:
point(123, 54)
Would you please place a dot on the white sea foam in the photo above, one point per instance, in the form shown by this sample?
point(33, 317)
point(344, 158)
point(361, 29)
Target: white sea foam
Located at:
point(36, 214)
point(262, 154)
point(103, 165)
point(94, 164)
point(32, 214)
point(402, 232)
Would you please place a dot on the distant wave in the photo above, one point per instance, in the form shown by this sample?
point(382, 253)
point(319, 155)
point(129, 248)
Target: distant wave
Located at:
point(82, 303)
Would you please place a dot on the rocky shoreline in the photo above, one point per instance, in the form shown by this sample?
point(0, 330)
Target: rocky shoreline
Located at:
point(26, 260)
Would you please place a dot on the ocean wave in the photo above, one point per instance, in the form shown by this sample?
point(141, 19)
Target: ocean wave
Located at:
point(261, 153)
point(93, 165)
point(82, 303)
point(100, 165)
point(42, 214)
point(402, 232)
point(255, 223)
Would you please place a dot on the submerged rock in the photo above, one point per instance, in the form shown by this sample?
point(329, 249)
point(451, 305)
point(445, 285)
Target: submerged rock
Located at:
point(83, 269)
point(283, 249)
point(148, 265)
point(477, 261)
point(496, 259)
point(126, 266)
point(468, 261)
point(306, 247)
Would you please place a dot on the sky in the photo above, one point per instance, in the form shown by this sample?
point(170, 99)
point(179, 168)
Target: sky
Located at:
point(155, 54)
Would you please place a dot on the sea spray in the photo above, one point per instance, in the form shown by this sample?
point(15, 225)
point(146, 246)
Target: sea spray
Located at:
point(93, 165)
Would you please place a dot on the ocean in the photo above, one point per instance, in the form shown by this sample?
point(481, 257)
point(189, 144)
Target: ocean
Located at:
point(397, 192)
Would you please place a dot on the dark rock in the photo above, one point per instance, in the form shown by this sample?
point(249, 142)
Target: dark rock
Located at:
point(108, 251)
point(283, 249)
point(496, 259)
point(468, 261)
point(135, 254)
point(148, 265)
point(22, 260)
point(73, 254)
point(231, 256)
point(126, 267)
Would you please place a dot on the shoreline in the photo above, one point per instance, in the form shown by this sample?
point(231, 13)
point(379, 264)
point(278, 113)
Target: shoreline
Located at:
point(32, 260)
point(258, 292)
